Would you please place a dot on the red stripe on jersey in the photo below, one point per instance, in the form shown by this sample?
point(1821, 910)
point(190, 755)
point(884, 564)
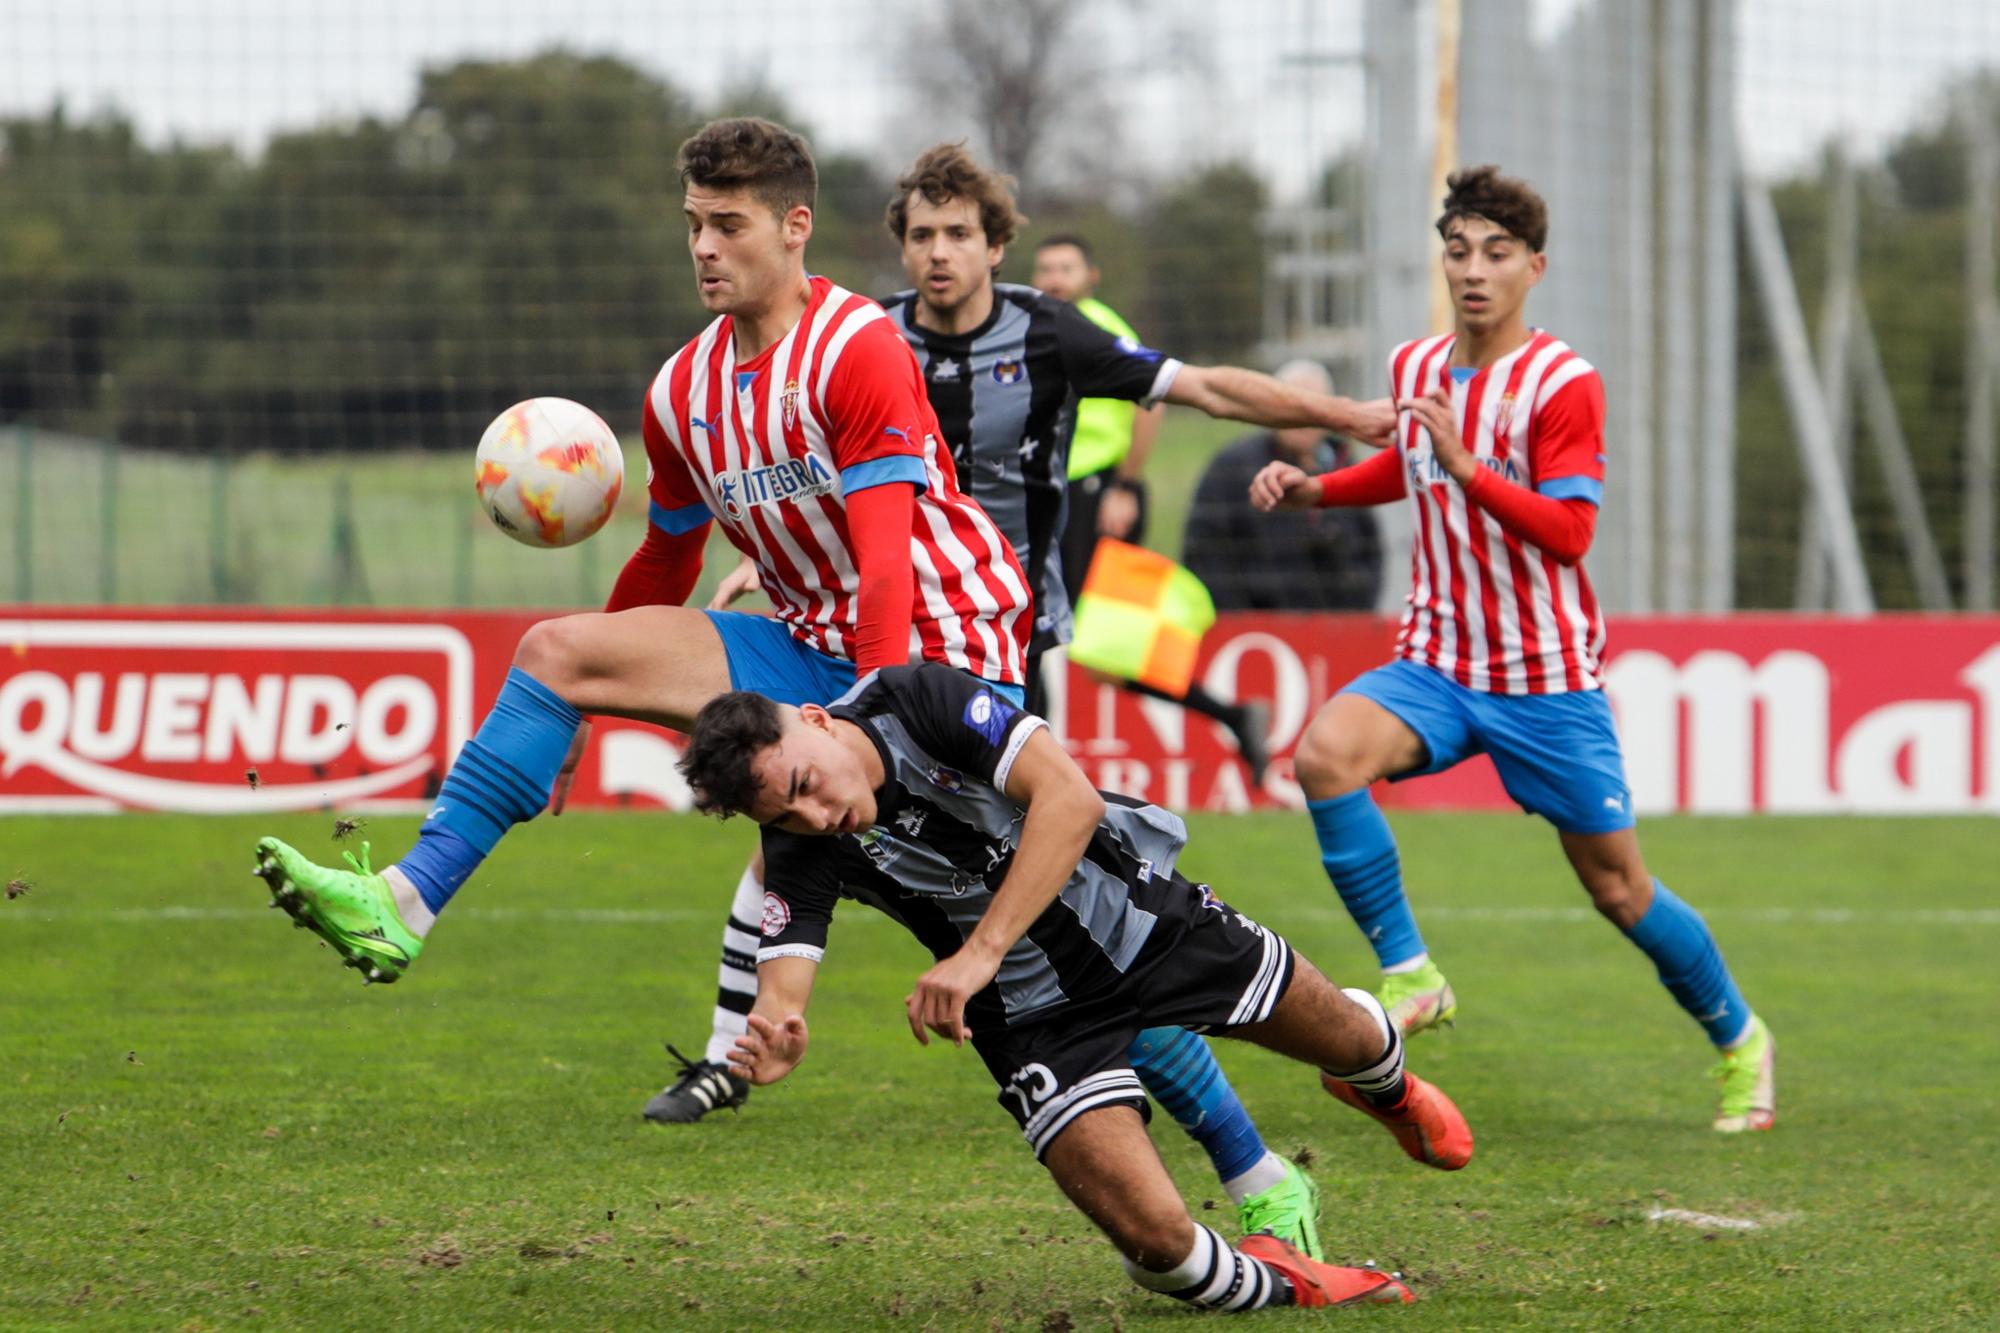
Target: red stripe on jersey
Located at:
point(1488, 614)
point(1498, 653)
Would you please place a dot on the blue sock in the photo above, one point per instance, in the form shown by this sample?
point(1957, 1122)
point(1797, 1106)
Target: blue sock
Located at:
point(1675, 937)
point(501, 778)
point(1180, 1072)
point(1359, 854)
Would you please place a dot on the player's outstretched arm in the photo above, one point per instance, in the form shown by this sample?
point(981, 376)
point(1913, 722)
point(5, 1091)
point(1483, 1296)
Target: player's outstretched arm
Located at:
point(776, 1041)
point(1247, 395)
point(1063, 811)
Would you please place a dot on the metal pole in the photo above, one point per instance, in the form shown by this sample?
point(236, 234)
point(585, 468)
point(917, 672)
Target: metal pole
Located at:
point(107, 537)
point(218, 528)
point(1718, 373)
point(1677, 71)
point(1984, 166)
point(1444, 154)
point(1636, 66)
point(24, 513)
point(1892, 452)
point(1810, 426)
point(1836, 323)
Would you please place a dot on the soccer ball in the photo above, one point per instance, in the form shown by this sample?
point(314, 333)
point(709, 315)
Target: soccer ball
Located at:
point(549, 472)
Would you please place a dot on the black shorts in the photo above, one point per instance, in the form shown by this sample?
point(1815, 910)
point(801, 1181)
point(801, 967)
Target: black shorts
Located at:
point(1220, 971)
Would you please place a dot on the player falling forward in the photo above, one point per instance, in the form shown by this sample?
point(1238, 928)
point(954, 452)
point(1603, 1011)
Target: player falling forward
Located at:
point(798, 421)
point(1060, 925)
point(1003, 366)
point(1500, 448)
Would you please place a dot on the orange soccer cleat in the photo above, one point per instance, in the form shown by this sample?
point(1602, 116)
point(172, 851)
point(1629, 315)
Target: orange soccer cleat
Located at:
point(1425, 1122)
point(1315, 1283)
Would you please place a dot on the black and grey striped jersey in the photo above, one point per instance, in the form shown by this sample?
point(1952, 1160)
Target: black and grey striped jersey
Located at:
point(944, 837)
point(1006, 395)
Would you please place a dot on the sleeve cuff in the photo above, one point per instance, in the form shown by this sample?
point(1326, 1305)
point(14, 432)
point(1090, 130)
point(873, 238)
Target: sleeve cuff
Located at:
point(674, 522)
point(810, 953)
point(882, 471)
point(1169, 368)
point(1026, 727)
point(1573, 488)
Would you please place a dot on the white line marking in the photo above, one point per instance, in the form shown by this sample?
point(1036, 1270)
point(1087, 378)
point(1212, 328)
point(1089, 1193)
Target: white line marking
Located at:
point(1714, 1222)
point(643, 916)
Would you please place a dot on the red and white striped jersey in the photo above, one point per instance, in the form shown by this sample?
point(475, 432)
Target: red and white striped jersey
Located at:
point(1495, 612)
point(772, 447)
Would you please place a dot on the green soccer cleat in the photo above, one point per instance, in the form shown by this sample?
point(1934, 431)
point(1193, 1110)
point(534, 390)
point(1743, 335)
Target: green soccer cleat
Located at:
point(1418, 1000)
point(353, 910)
point(1288, 1210)
point(1749, 1076)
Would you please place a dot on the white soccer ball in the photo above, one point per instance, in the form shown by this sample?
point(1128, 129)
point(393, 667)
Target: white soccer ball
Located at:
point(549, 472)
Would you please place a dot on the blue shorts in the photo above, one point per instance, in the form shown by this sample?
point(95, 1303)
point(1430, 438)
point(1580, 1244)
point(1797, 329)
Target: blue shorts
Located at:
point(764, 657)
point(1557, 754)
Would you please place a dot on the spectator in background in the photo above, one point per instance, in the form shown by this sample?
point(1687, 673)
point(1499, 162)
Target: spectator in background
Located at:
point(1292, 560)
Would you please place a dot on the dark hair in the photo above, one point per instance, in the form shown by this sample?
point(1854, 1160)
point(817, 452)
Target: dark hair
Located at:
point(948, 172)
point(1068, 238)
point(1506, 201)
point(768, 160)
point(729, 733)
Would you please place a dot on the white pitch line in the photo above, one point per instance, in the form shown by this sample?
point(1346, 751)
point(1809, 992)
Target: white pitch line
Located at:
point(643, 916)
point(1715, 1222)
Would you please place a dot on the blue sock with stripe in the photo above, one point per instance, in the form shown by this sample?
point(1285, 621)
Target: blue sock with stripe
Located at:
point(1360, 857)
point(1678, 941)
point(501, 778)
point(1181, 1074)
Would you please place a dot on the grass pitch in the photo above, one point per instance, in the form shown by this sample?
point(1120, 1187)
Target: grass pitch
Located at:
point(208, 1123)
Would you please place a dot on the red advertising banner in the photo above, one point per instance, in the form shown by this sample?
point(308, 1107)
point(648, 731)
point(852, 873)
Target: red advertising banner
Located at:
point(231, 710)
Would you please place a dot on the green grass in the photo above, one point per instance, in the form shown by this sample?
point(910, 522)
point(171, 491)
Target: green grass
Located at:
point(94, 524)
point(207, 1123)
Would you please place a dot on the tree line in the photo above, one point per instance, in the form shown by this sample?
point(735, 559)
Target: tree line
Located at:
point(392, 283)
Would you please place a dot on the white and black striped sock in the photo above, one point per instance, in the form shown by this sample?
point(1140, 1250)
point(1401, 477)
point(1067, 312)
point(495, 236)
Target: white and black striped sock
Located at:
point(1216, 1277)
point(1379, 1082)
point(736, 982)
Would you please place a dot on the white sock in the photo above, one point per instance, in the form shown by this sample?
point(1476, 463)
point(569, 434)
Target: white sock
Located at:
point(1407, 965)
point(1265, 1172)
point(736, 979)
point(1215, 1276)
point(409, 903)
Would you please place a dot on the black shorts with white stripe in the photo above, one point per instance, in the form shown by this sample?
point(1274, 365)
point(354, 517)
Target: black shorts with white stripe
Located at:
point(1220, 971)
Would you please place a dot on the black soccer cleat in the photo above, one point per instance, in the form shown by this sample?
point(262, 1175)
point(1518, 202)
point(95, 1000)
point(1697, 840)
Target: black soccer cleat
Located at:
point(703, 1086)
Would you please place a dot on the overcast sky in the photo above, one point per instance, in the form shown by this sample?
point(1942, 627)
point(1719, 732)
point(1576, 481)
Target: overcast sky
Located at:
point(1197, 78)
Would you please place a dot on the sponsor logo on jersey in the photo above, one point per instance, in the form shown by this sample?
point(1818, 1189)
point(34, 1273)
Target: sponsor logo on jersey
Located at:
point(1007, 371)
point(788, 479)
point(1133, 347)
point(945, 370)
point(777, 915)
point(911, 821)
point(988, 716)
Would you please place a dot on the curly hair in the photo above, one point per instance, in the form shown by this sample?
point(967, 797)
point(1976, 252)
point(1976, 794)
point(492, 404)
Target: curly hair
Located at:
point(729, 733)
point(1506, 201)
point(766, 159)
point(948, 172)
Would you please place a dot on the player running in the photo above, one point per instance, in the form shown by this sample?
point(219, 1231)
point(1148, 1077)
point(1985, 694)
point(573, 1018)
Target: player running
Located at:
point(1500, 447)
point(1060, 925)
point(797, 419)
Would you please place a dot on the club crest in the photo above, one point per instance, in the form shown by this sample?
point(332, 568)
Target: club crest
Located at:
point(788, 403)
